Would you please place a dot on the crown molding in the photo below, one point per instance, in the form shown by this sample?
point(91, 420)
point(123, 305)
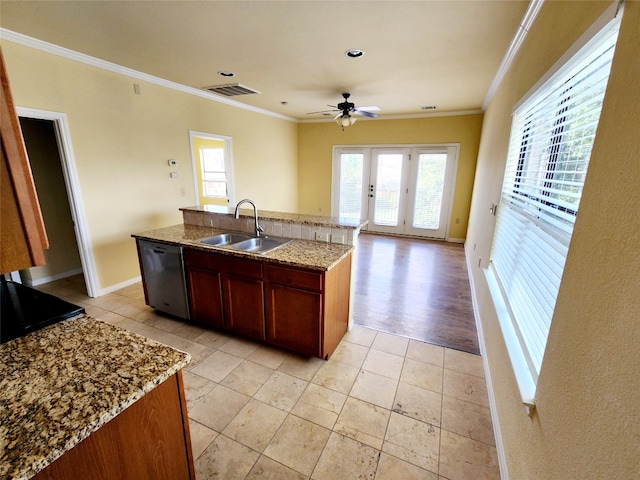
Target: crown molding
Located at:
point(401, 117)
point(112, 67)
point(525, 24)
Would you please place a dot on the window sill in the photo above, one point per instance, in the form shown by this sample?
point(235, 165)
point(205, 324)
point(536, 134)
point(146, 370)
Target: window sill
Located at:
point(524, 379)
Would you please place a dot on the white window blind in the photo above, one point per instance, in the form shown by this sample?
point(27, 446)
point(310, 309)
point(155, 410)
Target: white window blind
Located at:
point(550, 146)
point(432, 169)
point(350, 201)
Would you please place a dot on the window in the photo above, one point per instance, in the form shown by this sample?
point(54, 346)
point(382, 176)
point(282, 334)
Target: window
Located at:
point(212, 160)
point(214, 177)
point(549, 150)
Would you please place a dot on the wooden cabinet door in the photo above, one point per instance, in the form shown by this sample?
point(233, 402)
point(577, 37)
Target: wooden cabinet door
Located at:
point(23, 238)
point(244, 305)
point(294, 319)
point(205, 295)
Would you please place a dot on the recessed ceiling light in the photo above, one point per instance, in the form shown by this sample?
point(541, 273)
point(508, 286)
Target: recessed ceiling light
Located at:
point(354, 53)
point(225, 73)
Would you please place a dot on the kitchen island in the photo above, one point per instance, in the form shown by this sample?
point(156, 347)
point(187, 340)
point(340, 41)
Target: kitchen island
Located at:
point(319, 256)
point(86, 399)
point(296, 296)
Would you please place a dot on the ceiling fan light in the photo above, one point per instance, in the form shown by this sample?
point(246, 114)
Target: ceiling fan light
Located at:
point(345, 120)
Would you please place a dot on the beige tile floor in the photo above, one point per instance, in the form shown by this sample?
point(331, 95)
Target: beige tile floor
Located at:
point(382, 407)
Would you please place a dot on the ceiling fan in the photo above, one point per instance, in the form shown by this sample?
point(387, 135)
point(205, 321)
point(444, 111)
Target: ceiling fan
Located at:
point(346, 109)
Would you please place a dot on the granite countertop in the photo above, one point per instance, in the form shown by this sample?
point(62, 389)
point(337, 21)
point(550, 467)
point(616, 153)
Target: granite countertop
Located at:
point(60, 384)
point(284, 217)
point(298, 253)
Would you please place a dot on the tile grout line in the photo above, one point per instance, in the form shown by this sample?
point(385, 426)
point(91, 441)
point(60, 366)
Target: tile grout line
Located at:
point(111, 308)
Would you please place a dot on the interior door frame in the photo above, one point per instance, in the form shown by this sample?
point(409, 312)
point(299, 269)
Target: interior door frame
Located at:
point(228, 163)
point(74, 194)
point(335, 184)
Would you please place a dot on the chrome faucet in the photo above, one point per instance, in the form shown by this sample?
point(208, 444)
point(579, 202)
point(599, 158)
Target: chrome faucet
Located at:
point(258, 228)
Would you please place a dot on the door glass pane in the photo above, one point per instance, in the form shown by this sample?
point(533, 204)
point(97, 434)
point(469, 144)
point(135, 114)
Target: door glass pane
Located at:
point(388, 185)
point(429, 189)
point(351, 166)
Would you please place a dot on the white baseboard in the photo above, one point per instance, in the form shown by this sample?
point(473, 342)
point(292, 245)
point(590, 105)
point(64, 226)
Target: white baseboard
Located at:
point(113, 288)
point(502, 459)
point(52, 278)
point(456, 240)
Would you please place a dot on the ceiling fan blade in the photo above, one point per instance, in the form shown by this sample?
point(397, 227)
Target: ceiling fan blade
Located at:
point(357, 111)
point(371, 108)
point(323, 111)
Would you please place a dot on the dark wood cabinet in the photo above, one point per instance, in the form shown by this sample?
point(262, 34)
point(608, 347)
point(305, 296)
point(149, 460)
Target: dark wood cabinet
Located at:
point(294, 309)
point(227, 292)
point(303, 310)
point(205, 296)
point(244, 305)
point(307, 311)
point(150, 439)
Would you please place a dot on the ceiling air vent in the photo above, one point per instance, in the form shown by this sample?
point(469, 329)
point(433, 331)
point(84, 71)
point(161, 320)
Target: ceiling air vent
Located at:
point(231, 90)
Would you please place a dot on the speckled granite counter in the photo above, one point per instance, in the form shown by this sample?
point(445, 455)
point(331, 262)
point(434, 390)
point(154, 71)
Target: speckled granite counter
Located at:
point(284, 217)
point(297, 253)
point(60, 384)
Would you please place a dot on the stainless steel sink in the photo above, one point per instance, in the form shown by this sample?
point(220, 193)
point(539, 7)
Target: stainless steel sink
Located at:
point(244, 243)
point(224, 239)
point(259, 245)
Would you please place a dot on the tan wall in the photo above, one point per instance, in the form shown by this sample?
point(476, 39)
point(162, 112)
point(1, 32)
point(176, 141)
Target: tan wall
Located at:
point(316, 141)
point(587, 419)
point(122, 142)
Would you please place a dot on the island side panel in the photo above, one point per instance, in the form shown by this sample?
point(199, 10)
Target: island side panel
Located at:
point(150, 439)
point(337, 305)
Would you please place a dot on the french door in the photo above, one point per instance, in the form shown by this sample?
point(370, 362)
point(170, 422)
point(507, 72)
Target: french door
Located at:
point(399, 190)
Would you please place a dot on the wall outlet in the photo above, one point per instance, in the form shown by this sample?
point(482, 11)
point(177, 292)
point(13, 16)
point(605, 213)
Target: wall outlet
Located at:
point(337, 239)
point(174, 175)
point(322, 236)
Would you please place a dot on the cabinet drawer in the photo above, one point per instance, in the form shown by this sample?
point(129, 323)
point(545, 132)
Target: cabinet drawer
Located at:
point(294, 278)
point(195, 258)
point(224, 263)
point(242, 267)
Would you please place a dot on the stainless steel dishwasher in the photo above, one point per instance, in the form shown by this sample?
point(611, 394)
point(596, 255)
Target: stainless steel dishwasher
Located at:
point(163, 275)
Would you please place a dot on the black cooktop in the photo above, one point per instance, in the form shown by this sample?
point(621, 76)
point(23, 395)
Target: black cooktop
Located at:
point(25, 310)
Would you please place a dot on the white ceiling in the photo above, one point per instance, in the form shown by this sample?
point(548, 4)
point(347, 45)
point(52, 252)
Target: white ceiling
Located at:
point(417, 53)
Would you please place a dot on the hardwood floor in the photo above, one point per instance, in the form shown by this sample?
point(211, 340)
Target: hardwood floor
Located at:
point(415, 288)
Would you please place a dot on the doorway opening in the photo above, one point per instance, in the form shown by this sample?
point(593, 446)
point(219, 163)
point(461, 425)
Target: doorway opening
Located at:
point(212, 160)
point(48, 144)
